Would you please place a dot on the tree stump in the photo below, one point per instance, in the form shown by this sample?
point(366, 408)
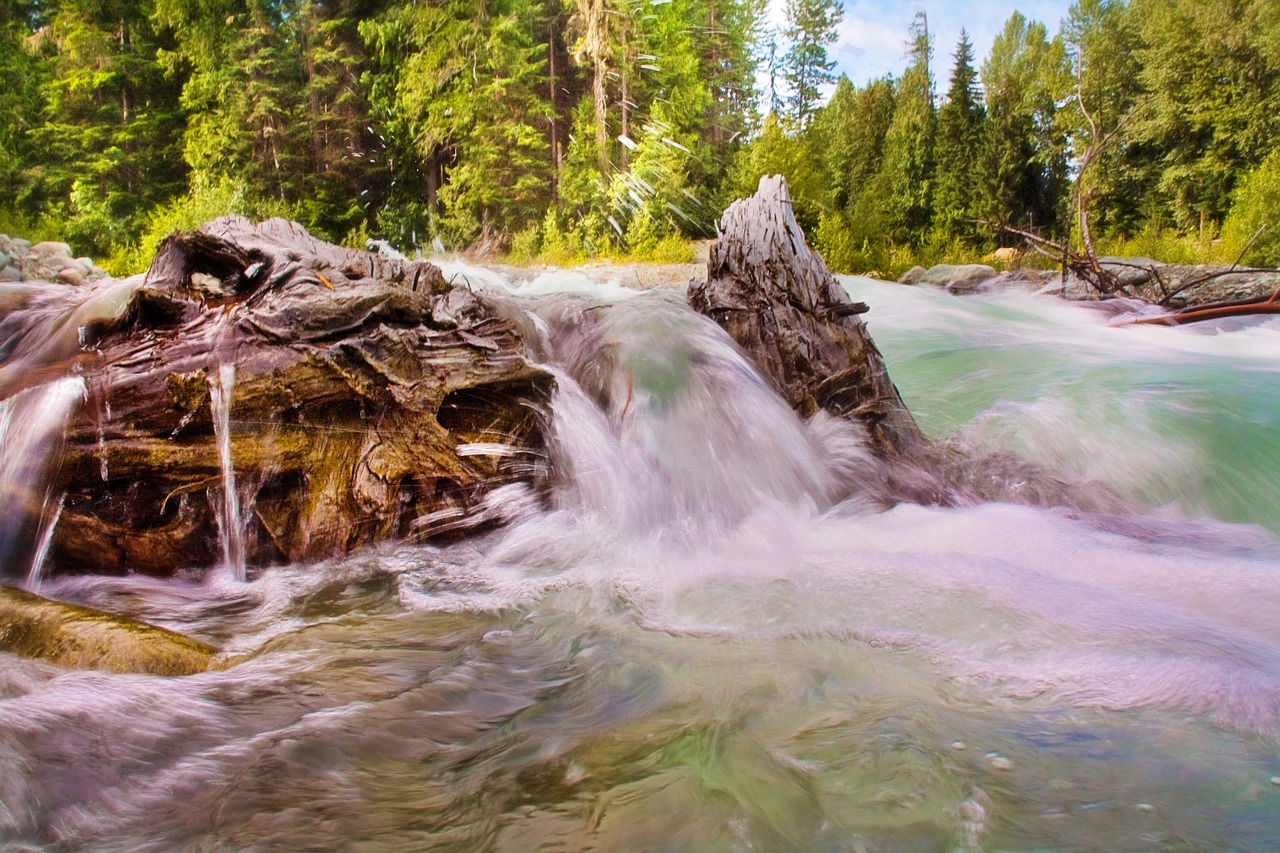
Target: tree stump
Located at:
point(778, 300)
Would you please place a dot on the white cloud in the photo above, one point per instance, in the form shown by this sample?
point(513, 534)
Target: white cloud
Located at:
point(872, 39)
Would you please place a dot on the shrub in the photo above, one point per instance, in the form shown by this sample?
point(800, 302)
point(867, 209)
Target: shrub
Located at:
point(524, 245)
point(1256, 204)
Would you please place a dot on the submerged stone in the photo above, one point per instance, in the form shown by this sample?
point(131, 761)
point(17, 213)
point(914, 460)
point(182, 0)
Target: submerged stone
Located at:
point(76, 637)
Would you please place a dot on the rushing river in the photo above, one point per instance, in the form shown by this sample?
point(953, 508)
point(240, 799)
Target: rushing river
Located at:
point(700, 644)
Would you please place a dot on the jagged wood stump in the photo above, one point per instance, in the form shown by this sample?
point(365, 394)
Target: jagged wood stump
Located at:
point(778, 300)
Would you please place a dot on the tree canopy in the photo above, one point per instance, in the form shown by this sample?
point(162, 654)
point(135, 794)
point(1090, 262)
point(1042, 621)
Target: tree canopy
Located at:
point(574, 127)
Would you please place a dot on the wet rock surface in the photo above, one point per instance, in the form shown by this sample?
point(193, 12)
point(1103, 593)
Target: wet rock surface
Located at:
point(76, 637)
point(365, 399)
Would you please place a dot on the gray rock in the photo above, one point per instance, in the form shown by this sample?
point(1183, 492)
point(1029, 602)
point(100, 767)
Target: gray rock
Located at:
point(49, 249)
point(912, 276)
point(17, 248)
point(1130, 272)
point(958, 276)
point(10, 274)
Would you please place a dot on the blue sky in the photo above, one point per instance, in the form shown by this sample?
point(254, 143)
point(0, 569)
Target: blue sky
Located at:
point(872, 40)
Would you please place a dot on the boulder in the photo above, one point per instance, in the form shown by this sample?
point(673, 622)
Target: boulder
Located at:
point(958, 277)
point(364, 399)
point(912, 276)
point(76, 637)
point(15, 247)
point(779, 301)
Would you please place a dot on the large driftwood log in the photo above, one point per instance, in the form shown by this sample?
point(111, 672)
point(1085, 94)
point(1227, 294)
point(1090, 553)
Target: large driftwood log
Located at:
point(779, 301)
point(368, 400)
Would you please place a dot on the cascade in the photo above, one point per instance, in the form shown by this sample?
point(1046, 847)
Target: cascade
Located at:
point(230, 522)
point(704, 628)
point(44, 541)
point(32, 428)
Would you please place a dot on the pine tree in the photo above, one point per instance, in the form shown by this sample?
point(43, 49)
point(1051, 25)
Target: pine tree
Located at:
point(1024, 169)
point(958, 150)
point(110, 115)
point(1211, 104)
point(466, 85)
point(345, 179)
point(906, 175)
point(21, 104)
point(245, 95)
point(811, 29)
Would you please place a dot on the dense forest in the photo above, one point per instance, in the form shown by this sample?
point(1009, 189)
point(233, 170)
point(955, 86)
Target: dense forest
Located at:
point(569, 128)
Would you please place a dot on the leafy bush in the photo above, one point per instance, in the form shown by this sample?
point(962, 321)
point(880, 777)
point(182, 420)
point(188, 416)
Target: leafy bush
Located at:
point(1256, 204)
point(524, 245)
point(187, 213)
point(668, 249)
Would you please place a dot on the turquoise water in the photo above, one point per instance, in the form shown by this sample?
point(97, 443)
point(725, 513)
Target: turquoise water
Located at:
point(1178, 418)
point(707, 637)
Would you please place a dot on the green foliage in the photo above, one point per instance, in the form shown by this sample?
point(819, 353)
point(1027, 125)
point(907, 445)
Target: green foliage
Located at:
point(202, 204)
point(1169, 246)
point(811, 28)
point(524, 245)
point(962, 130)
point(623, 127)
point(1024, 166)
point(1211, 101)
point(1257, 206)
point(669, 249)
point(775, 152)
point(907, 171)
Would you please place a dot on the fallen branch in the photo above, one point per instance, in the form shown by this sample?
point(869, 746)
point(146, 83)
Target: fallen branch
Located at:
point(1214, 311)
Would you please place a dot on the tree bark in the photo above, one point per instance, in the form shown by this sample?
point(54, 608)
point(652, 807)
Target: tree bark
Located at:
point(779, 301)
point(371, 400)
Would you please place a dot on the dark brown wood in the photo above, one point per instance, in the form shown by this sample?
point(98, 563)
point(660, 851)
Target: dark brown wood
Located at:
point(1215, 311)
point(356, 378)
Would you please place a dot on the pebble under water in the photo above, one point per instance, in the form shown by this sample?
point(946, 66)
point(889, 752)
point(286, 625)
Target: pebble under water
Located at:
point(699, 642)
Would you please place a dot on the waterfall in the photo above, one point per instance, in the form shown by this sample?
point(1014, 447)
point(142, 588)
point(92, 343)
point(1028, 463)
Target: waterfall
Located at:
point(45, 540)
point(32, 430)
point(661, 425)
point(230, 522)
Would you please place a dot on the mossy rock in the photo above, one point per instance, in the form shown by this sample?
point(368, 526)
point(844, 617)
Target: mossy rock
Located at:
point(76, 637)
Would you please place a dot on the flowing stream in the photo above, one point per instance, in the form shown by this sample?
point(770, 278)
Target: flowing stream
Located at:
point(712, 637)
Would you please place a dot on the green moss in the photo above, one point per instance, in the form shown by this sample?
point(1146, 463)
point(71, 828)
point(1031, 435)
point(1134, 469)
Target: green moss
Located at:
point(76, 637)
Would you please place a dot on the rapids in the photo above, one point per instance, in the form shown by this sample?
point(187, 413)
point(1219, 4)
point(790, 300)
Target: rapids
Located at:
point(698, 642)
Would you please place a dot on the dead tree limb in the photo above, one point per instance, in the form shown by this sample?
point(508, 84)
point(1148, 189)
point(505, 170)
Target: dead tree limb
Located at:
point(1215, 311)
